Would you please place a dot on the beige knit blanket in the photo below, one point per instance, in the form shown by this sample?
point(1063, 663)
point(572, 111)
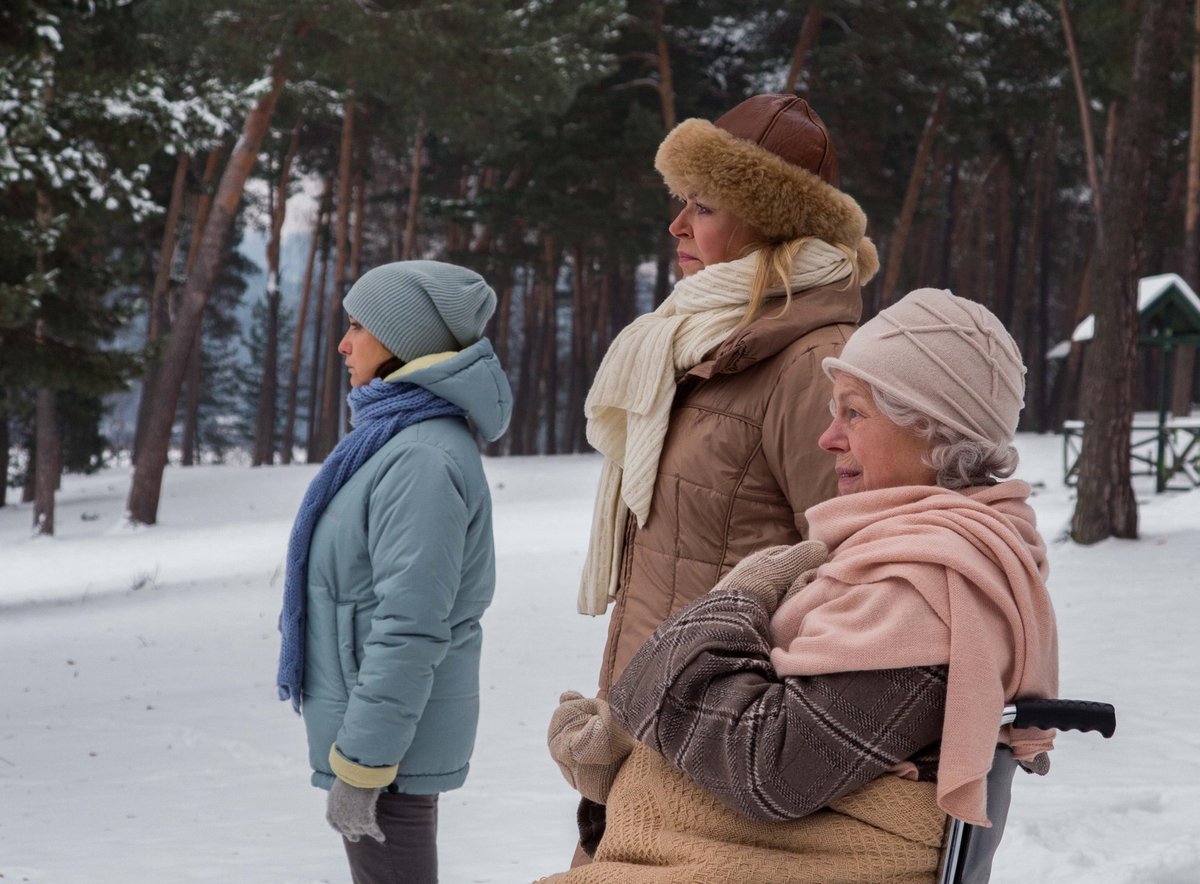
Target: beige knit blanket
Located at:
point(662, 828)
point(628, 406)
point(920, 576)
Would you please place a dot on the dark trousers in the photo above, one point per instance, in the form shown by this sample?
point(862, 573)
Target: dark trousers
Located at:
point(408, 855)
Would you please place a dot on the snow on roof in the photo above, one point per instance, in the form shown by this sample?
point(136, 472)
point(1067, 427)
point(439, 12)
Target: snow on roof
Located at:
point(1150, 289)
point(1061, 350)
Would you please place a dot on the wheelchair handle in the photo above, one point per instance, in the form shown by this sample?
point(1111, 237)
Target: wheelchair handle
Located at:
point(1063, 715)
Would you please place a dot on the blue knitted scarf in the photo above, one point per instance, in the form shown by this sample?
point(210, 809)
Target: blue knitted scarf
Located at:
point(378, 411)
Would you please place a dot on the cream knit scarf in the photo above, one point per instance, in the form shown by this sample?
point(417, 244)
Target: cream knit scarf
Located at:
point(629, 405)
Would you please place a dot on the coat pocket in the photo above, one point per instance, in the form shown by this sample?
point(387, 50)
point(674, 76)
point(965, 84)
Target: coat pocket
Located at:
point(347, 641)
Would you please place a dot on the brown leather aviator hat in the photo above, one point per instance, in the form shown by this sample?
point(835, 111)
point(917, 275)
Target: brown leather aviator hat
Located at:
point(771, 162)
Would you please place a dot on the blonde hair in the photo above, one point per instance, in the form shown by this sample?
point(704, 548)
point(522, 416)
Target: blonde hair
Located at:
point(774, 271)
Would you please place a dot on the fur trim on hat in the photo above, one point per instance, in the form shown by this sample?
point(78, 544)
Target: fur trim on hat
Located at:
point(781, 200)
point(868, 261)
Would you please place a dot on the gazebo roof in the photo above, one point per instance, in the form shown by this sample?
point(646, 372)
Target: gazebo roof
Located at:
point(1165, 301)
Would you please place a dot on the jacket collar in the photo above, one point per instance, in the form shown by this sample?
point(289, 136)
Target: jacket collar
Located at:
point(770, 332)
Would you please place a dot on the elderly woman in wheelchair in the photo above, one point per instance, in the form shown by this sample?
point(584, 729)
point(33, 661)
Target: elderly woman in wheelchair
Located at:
point(820, 713)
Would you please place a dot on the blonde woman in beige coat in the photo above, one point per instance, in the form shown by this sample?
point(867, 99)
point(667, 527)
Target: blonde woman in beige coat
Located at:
point(708, 409)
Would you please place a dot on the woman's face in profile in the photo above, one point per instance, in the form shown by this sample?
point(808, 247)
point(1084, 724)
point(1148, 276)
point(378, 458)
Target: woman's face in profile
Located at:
point(363, 353)
point(872, 452)
point(707, 235)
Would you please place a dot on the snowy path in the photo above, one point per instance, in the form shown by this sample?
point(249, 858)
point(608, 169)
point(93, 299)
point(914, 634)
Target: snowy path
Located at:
point(140, 741)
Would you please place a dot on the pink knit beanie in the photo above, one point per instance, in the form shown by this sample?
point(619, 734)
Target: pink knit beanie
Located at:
point(945, 356)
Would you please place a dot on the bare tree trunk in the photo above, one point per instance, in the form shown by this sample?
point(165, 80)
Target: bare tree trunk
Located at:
point(265, 417)
point(356, 234)
point(49, 446)
point(1185, 356)
point(953, 192)
point(1008, 210)
point(533, 344)
point(808, 36)
point(264, 424)
point(414, 192)
point(1032, 311)
point(1067, 394)
point(5, 442)
point(499, 332)
point(928, 235)
point(1106, 505)
point(189, 447)
point(289, 426)
point(999, 232)
point(623, 301)
point(503, 320)
point(158, 318)
point(356, 238)
point(396, 222)
point(526, 400)
point(458, 235)
point(666, 101)
point(980, 290)
point(550, 346)
point(189, 440)
point(29, 486)
point(665, 257)
point(317, 362)
point(899, 238)
point(147, 476)
point(329, 426)
point(580, 358)
point(1044, 402)
point(1085, 114)
point(666, 80)
point(1111, 127)
point(49, 458)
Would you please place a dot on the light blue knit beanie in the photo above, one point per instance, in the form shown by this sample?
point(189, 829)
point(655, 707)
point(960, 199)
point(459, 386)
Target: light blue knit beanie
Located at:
point(416, 308)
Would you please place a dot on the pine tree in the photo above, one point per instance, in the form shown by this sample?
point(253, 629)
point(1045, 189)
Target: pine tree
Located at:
point(64, 180)
point(251, 379)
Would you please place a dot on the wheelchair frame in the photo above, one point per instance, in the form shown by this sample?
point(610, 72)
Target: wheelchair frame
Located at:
point(967, 850)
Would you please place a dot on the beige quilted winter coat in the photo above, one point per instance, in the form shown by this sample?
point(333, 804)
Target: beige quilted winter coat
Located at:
point(739, 466)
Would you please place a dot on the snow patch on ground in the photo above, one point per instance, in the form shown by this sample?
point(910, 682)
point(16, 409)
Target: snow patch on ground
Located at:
point(141, 741)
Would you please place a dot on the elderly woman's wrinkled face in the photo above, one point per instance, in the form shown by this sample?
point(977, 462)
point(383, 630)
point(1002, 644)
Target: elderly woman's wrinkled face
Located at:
point(872, 452)
point(708, 235)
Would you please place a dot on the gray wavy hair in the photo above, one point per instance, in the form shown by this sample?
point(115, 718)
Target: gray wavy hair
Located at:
point(960, 462)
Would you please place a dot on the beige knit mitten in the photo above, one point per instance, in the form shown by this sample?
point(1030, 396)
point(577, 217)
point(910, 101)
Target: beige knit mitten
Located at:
point(771, 572)
point(798, 584)
point(587, 744)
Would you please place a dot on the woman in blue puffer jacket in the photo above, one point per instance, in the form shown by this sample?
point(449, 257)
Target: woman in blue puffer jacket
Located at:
point(391, 565)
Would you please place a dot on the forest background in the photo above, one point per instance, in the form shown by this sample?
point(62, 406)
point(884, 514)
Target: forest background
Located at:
point(188, 188)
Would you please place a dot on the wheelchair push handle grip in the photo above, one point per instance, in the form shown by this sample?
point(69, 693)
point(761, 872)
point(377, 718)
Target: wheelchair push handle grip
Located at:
point(1067, 715)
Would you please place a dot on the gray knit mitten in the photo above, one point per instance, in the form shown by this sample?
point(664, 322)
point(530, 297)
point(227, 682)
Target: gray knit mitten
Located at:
point(769, 573)
point(587, 744)
point(351, 811)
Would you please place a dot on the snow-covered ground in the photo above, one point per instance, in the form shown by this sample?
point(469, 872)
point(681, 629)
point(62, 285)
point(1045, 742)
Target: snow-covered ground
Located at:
point(141, 742)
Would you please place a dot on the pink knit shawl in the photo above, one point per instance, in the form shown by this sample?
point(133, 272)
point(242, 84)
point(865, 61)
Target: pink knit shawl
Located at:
point(921, 576)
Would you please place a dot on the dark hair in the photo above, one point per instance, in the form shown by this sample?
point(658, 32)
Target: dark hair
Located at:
point(389, 366)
